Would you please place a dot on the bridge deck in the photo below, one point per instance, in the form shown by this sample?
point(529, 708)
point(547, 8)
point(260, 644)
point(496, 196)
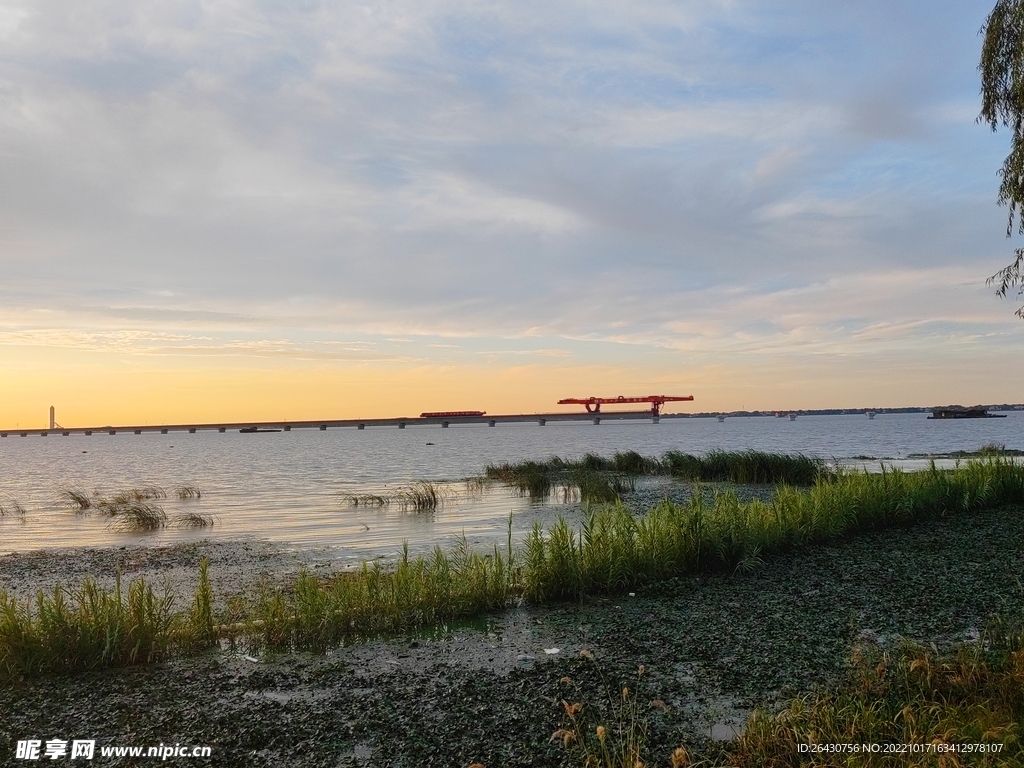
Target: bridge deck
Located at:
point(286, 426)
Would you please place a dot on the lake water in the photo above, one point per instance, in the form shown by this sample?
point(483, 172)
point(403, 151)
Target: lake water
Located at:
point(289, 486)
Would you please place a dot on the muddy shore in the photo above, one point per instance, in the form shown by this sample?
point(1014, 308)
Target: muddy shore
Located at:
point(713, 646)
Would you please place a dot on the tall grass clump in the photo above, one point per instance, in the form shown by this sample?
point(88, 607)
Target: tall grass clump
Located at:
point(746, 467)
point(529, 478)
point(137, 516)
point(418, 592)
point(186, 492)
point(77, 499)
point(607, 728)
point(91, 627)
point(421, 497)
point(615, 550)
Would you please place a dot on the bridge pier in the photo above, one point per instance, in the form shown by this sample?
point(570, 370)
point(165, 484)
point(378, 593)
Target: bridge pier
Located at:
point(163, 431)
point(444, 425)
point(491, 423)
point(542, 422)
point(138, 431)
point(222, 429)
point(361, 426)
point(597, 420)
point(191, 430)
point(401, 425)
point(323, 427)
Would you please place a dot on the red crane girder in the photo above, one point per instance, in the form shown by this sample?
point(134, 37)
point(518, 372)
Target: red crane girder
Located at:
point(593, 404)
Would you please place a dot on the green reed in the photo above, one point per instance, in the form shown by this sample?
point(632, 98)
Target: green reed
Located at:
point(91, 626)
point(614, 549)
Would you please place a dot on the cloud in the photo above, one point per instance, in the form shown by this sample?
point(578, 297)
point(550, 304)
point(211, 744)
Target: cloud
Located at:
point(739, 176)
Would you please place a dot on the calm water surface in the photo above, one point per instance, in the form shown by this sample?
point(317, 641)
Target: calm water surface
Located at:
point(289, 486)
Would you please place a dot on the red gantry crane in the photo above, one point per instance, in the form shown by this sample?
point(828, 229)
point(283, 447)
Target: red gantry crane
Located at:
point(593, 404)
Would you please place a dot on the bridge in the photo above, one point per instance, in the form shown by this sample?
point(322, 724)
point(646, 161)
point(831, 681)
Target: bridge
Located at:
point(443, 419)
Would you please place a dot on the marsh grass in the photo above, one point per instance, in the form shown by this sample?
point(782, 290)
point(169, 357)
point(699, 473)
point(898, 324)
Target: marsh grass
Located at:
point(602, 480)
point(607, 728)
point(89, 627)
point(422, 497)
point(77, 499)
point(419, 497)
point(613, 550)
point(366, 500)
point(187, 492)
point(146, 493)
point(11, 507)
point(137, 516)
point(909, 695)
point(192, 520)
point(745, 467)
point(417, 592)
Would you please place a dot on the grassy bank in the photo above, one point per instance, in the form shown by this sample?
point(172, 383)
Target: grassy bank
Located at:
point(613, 551)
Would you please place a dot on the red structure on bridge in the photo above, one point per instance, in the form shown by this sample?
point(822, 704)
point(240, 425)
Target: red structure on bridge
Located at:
point(593, 404)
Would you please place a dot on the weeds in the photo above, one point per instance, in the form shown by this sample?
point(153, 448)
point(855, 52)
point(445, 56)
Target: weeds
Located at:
point(12, 507)
point(422, 497)
point(138, 516)
point(77, 499)
point(91, 627)
point(419, 497)
point(186, 492)
point(597, 479)
point(912, 695)
point(745, 467)
point(418, 592)
point(614, 550)
point(611, 730)
point(366, 500)
point(193, 520)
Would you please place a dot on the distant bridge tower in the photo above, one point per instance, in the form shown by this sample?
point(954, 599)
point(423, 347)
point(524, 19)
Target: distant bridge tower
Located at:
point(53, 420)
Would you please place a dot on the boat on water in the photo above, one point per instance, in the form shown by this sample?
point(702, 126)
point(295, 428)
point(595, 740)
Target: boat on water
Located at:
point(871, 414)
point(792, 417)
point(959, 412)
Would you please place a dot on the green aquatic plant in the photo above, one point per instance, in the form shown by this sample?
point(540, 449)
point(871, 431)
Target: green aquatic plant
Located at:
point(366, 500)
point(745, 467)
point(192, 520)
point(77, 499)
point(614, 549)
point(11, 507)
point(92, 626)
point(136, 516)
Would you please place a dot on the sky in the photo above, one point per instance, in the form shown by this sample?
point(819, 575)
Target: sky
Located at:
point(254, 209)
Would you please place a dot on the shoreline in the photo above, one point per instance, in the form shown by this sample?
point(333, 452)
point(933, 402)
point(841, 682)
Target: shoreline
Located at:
point(714, 645)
